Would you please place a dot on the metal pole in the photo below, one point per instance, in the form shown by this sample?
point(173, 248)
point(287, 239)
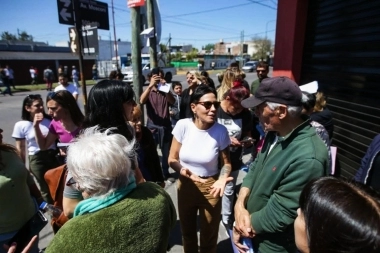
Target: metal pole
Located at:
point(136, 55)
point(241, 49)
point(152, 41)
point(114, 36)
point(78, 26)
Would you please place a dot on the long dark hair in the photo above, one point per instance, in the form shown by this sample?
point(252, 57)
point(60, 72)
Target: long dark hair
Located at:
point(28, 101)
point(341, 216)
point(6, 148)
point(67, 101)
point(105, 106)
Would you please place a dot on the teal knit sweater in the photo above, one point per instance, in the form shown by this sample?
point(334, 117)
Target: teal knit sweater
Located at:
point(141, 222)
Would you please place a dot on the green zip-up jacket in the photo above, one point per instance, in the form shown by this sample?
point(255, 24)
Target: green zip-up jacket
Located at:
point(276, 180)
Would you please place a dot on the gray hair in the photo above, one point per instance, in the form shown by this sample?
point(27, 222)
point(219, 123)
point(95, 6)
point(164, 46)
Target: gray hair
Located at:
point(294, 111)
point(100, 161)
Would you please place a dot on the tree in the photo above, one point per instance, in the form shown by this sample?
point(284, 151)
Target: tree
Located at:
point(23, 36)
point(8, 36)
point(262, 46)
point(177, 56)
point(209, 47)
point(192, 55)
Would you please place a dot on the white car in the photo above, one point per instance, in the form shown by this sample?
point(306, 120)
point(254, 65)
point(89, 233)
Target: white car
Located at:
point(128, 72)
point(249, 66)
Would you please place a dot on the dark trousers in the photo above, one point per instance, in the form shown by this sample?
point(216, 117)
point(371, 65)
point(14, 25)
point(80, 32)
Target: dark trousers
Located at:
point(39, 163)
point(165, 148)
point(7, 87)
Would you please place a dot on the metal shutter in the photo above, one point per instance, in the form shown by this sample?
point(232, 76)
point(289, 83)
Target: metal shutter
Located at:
point(342, 52)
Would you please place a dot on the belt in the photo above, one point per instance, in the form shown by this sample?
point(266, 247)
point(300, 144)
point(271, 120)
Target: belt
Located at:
point(205, 177)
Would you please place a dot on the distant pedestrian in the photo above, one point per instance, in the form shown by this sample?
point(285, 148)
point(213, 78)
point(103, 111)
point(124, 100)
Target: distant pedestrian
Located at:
point(75, 76)
point(175, 108)
point(49, 78)
point(4, 78)
point(213, 65)
point(10, 74)
point(94, 72)
point(199, 66)
point(65, 85)
point(33, 75)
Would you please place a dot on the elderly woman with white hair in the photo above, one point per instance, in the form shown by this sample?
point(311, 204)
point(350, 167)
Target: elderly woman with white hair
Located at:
point(116, 215)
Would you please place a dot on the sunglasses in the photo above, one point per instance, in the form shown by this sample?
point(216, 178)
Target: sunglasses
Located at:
point(34, 96)
point(208, 104)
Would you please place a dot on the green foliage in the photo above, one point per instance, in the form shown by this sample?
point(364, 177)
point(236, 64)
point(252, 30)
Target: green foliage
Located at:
point(262, 46)
point(22, 36)
point(177, 57)
point(209, 47)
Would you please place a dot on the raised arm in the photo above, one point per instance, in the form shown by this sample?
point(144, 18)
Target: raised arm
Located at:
point(44, 142)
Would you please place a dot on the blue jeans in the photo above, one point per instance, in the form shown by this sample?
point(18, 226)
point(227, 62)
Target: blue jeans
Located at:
point(164, 150)
point(228, 199)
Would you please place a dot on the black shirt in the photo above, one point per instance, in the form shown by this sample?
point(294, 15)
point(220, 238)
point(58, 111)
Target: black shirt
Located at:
point(324, 118)
point(236, 125)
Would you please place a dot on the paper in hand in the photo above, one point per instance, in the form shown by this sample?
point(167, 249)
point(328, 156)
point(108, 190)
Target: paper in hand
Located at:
point(164, 87)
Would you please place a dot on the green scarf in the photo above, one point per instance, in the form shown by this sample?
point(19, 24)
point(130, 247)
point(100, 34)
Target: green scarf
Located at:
point(94, 204)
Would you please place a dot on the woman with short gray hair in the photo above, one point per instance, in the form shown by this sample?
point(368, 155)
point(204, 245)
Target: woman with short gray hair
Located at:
point(116, 215)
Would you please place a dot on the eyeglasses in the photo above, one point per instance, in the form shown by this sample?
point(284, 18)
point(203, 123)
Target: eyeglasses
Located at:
point(71, 182)
point(34, 96)
point(258, 71)
point(208, 104)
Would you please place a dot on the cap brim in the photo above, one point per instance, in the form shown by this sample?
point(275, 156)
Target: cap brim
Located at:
point(251, 102)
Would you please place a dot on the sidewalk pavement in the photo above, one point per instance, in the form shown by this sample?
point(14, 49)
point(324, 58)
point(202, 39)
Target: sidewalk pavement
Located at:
point(175, 242)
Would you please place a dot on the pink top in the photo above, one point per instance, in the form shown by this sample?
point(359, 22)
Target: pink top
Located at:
point(63, 135)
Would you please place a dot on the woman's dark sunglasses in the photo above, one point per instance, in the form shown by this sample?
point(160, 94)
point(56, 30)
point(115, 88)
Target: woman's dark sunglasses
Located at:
point(208, 104)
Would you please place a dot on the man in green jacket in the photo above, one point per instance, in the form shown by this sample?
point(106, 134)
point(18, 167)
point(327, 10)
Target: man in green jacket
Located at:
point(262, 71)
point(292, 155)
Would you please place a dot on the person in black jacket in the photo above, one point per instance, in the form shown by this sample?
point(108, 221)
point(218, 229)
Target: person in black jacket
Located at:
point(369, 171)
point(149, 162)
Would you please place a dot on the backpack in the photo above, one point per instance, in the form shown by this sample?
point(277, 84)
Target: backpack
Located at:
point(48, 74)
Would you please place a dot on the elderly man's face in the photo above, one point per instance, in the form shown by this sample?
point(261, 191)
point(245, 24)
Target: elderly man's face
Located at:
point(269, 118)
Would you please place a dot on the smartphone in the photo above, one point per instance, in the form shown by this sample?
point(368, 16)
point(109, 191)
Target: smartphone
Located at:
point(31, 228)
point(155, 71)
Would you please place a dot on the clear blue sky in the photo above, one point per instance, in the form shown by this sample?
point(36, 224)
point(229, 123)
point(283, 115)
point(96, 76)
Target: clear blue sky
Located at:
point(196, 22)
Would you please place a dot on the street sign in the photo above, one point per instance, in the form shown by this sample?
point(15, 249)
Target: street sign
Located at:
point(65, 12)
point(90, 40)
point(73, 40)
point(90, 12)
point(135, 3)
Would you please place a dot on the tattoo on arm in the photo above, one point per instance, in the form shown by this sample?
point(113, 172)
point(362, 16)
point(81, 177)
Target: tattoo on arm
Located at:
point(225, 171)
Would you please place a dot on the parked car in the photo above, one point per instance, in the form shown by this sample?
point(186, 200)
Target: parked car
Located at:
point(250, 66)
point(128, 72)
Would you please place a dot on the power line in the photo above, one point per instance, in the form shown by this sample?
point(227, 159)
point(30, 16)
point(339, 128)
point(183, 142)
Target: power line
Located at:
point(235, 37)
point(197, 22)
point(260, 3)
point(208, 11)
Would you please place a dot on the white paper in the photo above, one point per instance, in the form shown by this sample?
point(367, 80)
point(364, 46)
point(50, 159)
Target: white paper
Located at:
point(163, 87)
point(310, 88)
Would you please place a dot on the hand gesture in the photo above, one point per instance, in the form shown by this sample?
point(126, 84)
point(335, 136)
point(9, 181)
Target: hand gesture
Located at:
point(38, 117)
point(187, 173)
point(12, 248)
point(243, 222)
point(236, 237)
point(218, 187)
point(235, 142)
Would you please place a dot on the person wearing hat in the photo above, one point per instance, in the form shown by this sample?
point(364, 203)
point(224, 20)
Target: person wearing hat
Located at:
point(292, 155)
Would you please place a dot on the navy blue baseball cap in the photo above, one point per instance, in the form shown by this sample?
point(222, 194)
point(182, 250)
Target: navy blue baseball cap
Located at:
point(281, 89)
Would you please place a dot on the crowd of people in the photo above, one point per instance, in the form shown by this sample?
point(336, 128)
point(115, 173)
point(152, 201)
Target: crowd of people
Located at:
point(113, 196)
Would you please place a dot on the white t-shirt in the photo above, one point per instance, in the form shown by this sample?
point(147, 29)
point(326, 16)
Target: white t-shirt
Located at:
point(32, 73)
point(70, 88)
point(24, 130)
point(200, 148)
